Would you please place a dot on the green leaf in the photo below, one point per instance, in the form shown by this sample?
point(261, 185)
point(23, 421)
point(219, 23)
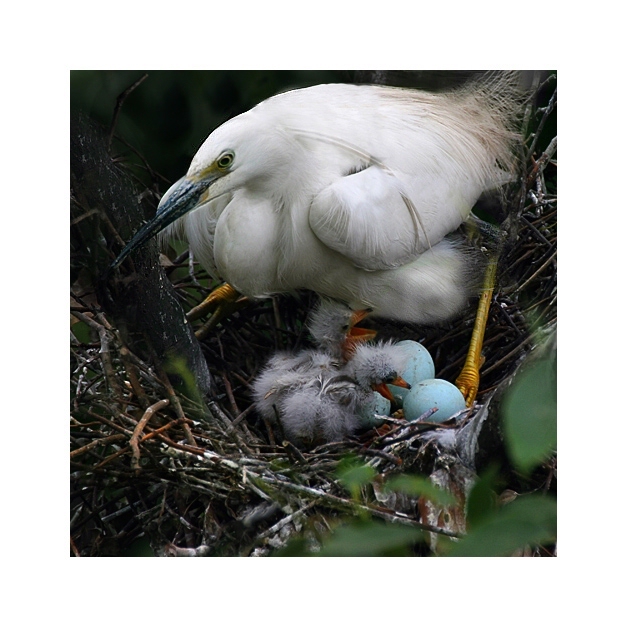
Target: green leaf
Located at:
point(296, 547)
point(527, 521)
point(370, 539)
point(352, 473)
point(482, 501)
point(140, 548)
point(176, 365)
point(530, 415)
point(82, 332)
point(419, 486)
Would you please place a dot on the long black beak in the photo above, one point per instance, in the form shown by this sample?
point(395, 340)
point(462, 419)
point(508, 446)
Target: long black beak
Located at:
point(183, 197)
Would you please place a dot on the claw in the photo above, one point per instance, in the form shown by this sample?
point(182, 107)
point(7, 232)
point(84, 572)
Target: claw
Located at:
point(220, 295)
point(221, 303)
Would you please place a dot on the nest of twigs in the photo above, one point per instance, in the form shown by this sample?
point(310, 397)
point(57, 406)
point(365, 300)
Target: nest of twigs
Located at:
point(154, 471)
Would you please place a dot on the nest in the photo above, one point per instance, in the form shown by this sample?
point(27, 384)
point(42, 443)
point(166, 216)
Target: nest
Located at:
point(156, 471)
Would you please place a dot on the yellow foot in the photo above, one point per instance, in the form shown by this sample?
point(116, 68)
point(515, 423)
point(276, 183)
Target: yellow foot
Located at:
point(222, 302)
point(222, 294)
point(468, 379)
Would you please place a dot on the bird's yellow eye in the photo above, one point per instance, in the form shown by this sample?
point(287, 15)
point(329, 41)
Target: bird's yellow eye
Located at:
point(225, 161)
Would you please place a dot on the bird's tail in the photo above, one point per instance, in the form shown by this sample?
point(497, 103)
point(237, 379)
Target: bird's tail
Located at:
point(496, 102)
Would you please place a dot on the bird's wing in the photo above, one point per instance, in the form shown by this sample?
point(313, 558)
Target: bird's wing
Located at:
point(368, 217)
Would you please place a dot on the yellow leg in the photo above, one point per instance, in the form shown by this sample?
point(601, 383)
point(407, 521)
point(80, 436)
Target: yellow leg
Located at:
point(222, 301)
point(468, 379)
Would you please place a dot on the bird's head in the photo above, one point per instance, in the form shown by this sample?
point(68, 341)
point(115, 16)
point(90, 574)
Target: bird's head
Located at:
point(377, 366)
point(241, 153)
point(332, 326)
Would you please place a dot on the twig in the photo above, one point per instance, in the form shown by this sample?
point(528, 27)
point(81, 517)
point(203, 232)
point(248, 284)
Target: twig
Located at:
point(352, 506)
point(133, 377)
point(107, 363)
point(284, 521)
point(120, 101)
point(243, 415)
point(535, 274)
point(546, 113)
point(148, 414)
point(74, 548)
point(176, 403)
point(94, 443)
point(148, 436)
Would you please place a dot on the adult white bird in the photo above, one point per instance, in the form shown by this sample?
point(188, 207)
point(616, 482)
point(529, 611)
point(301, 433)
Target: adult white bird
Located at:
point(349, 191)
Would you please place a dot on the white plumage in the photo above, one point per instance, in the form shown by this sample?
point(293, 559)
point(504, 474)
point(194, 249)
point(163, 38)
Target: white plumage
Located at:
point(346, 190)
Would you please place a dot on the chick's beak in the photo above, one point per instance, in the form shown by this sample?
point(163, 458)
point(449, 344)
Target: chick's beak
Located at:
point(383, 389)
point(356, 335)
point(358, 316)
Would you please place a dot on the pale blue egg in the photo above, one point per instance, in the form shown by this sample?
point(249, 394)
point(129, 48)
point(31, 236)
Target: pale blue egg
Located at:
point(378, 405)
point(419, 367)
point(433, 393)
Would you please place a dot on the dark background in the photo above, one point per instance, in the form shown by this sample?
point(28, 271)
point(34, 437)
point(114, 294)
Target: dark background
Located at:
point(168, 116)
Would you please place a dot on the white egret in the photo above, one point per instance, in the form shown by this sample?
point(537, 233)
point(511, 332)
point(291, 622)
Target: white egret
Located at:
point(347, 190)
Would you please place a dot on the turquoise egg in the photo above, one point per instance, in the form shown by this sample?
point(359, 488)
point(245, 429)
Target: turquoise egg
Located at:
point(433, 393)
point(419, 367)
point(378, 405)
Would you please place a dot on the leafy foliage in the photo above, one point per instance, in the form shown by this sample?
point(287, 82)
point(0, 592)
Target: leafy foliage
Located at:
point(528, 520)
point(530, 415)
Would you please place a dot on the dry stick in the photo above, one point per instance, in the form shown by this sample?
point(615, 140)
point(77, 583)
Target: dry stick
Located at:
point(133, 377)
point(120, 101)
point(176, 404)
point(133, 442)
point(229, 392)
point(395, 517)
point(535, 274)
point(539, 166)
point(278, 526)
point(234, 407)
point(110, 423)
point(148, 436)
point(547, 112)
point(107, 364)
point(94, 443)
point(82, 217)
point(277, 322)
point(243, 415)
point(504, 359)
point(74, 548)
point(215, 409)
point(194, 450)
